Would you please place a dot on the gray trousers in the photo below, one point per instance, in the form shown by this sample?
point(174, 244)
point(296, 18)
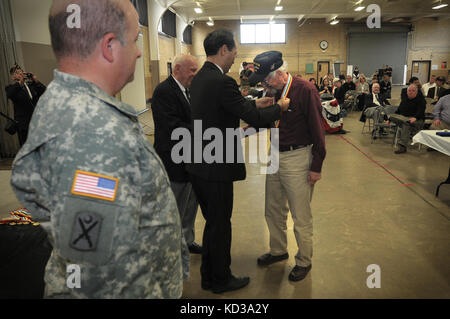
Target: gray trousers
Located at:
point(187, 206)
point(405, 130)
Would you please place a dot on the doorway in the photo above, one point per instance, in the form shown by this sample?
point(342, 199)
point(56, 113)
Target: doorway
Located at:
point(323, 68)
point(421, 70)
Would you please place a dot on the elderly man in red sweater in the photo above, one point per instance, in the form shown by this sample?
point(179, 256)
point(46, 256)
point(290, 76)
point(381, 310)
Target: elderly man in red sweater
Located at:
point(301, 154)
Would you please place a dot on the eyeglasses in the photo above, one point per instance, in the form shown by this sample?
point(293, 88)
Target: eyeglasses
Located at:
point(265, 82)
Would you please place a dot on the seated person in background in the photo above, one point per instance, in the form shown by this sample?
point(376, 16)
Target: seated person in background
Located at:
point(386, 86)
point(325, 88)
point(349, 85)
point(375, 75)
point(409, 116)
point(374, 80)
point(414, 80)
point(437, 92)
point(313, 80)
point(339, 93)
point(363, 89)
point(427, 86)
point(372, 101)
point(441, 113)
point(245, 74)
point(331, 78)
point(342, 76)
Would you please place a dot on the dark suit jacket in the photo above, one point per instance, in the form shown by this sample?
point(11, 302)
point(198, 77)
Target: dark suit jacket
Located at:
point(369, 103)
point(23, 105)
point(170, 110)
point(381, 99)
point(432, 91)
point(218, 103)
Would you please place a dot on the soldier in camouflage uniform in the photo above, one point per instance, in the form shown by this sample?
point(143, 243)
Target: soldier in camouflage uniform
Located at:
point(88, 169)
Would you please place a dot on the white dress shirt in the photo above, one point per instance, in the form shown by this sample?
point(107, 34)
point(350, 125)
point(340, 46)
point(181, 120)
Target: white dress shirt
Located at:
point(375, 100)
point(182, 88)
point(426, 87)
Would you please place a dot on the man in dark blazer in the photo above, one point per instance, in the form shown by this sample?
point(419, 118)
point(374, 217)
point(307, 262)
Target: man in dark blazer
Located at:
point(438, 91)
point(372, 101)
point(24, 93)
point(217, 104)
point(171, 110)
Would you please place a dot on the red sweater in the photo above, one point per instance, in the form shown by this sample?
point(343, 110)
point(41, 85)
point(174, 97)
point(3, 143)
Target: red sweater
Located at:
point(302, 124)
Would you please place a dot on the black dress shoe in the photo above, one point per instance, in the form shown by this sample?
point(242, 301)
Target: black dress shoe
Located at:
point(299, 273)
point(206, 285)
point(195, 248)
point(268, 259)
point(235, 283)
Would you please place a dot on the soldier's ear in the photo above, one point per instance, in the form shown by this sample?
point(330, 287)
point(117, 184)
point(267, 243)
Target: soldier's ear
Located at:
point(107, 46)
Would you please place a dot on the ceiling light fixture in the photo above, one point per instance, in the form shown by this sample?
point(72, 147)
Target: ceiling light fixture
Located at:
point(360, 8)
point(278, 8)
point(334, 22)
point(440, 5)
point(198, 10)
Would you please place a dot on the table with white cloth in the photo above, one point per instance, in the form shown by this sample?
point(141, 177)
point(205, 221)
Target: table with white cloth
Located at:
point(439, 143)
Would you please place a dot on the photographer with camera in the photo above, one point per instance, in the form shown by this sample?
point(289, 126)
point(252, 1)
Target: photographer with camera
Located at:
point(24, 93)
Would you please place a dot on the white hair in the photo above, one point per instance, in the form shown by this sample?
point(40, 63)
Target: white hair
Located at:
point(282, 68)
point(181, 59)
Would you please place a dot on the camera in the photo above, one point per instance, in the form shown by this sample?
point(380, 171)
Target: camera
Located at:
point(29, 75)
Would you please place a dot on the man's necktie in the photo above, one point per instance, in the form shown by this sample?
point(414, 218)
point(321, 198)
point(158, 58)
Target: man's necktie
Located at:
point(188, 95)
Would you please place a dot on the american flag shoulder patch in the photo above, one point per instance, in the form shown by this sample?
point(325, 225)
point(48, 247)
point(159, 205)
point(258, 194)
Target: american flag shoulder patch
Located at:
point(95, 185)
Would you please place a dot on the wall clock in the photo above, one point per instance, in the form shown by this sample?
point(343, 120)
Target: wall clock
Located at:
point(323, 45)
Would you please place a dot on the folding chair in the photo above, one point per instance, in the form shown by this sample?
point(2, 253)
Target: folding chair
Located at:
point(380, 128)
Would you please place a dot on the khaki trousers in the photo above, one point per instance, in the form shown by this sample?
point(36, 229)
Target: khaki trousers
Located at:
point(289, 190)
point(442, 126)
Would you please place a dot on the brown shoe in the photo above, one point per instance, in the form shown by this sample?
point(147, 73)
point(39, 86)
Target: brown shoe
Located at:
point(400, 149)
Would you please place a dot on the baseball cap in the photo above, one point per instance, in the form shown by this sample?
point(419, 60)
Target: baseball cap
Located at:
point(265, 63)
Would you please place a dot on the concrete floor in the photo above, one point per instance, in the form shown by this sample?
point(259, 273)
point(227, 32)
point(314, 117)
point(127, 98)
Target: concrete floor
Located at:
point(371, 207)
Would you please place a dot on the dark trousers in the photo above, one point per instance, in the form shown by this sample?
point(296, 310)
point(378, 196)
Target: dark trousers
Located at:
point(22, 133)
point(216, 202)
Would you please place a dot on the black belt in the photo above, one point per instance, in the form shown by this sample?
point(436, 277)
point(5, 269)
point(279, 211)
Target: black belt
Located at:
point(288, 148)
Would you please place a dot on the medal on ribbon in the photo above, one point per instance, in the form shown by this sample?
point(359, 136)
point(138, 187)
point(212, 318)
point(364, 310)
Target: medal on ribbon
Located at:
point(286, 90)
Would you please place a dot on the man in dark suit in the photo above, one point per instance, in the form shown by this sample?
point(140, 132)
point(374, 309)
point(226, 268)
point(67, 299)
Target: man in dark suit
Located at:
point(386, 86)
point(171, 110)
point(24, 93)
point(438, 91)
point(218, 105)
point(372, 101)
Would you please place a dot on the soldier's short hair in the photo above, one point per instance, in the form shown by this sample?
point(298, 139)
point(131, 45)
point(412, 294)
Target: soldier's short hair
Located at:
point(97, 18)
